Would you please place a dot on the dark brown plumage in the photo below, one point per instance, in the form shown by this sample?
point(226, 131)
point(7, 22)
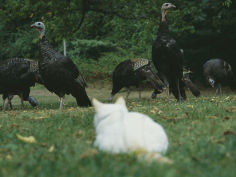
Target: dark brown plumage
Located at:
point(168, 58)
point(218, 72)
point(59, 73)
point(17, 75)
point(131, 73)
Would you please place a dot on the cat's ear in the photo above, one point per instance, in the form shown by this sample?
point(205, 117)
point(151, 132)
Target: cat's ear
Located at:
point(97, 104)
point(120, 101)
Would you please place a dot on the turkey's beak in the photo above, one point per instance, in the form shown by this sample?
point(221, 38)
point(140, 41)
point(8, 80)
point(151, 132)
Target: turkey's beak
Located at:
point(172, 6)
point(33, 26)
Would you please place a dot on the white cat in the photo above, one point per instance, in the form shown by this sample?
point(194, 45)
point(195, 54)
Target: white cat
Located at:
point(121, 131)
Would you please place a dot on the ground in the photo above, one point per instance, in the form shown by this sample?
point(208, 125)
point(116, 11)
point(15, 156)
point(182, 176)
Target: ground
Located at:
point(201, 134)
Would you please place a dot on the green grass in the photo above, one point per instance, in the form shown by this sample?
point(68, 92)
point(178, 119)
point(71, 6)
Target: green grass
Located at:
point(200, 133)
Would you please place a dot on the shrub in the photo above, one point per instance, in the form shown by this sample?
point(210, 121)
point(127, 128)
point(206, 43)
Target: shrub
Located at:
point(90, 48)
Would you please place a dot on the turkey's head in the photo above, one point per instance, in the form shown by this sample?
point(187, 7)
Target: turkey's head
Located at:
point(40, 27)
point(211, 81)
point(164, 8)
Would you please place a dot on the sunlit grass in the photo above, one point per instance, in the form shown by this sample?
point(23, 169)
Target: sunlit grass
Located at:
point(201, 133)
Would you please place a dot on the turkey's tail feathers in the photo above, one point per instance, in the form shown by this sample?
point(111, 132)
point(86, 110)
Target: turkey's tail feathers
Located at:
point(81, 81)
point(80, 95)
point(192, 87)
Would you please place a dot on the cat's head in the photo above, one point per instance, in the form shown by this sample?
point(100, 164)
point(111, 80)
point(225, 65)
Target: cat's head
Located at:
point(105, 110)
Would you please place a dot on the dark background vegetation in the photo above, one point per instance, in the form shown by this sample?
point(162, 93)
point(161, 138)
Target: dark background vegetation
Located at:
point(101, 33)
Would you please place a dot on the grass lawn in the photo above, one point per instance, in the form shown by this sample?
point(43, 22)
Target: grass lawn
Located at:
point(201, 134)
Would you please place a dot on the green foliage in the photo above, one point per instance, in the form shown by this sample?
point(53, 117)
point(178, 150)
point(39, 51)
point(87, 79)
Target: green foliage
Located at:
point(227, 3)
point(204, 29)
point(90, 48)
point(102, 69)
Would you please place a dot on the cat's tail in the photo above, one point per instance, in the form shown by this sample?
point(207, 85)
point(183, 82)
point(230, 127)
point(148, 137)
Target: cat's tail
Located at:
point(153, 157)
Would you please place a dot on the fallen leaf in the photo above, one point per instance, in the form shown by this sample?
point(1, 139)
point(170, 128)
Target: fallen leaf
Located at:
point(41, 117)
point(226, 118)
point(43, 144)
point(228, 155)
point(165, 160)
point(89, 153)
point(212, 117)
point(4, 150)
point(228, 132)
point(88, 142)
point(25, 129)
point(29, 139)
point(189, 106)
point(8, 157)
point(80, 132)
point(231, 109)
point(156, 110)
point(70, 109)
point(215, 140)
point(51, 149)
point(195, 158)
point(212, 100)
point(227, 98)
point(14, 125)
point(195, 122)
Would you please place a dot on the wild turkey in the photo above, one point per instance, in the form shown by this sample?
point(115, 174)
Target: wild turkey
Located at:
point(30, 99)
point(167, 57)
point(17, 75)
point(218, 72)
point(59, 73)
point(131, 73)
point(189, 84)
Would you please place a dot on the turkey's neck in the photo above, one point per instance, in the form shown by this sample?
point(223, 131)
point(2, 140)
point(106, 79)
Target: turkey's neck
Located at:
point(46, 51)
point(163, 27)
point(42, 33)
point(163, 15)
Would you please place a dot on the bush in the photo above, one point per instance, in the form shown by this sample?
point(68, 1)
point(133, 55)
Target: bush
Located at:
point(90, 48)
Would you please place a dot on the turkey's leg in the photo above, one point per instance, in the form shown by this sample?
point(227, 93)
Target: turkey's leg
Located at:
point(22, 101)
point(168, 92)
point(110, 98)
point(5, 103)
point(9, 100)
point(179, 94)
point(220, 88)
point(61, 103)
point(216, 91)
point(139, 90)
point(128, 92)
point(167, 87)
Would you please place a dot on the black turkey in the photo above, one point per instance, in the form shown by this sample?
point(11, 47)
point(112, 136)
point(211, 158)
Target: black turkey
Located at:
point(167, 57)
point(30, 99)
point(187, 83)
point(17, 75)
point(59, 73)
point(131, 73)
point(218, 72)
